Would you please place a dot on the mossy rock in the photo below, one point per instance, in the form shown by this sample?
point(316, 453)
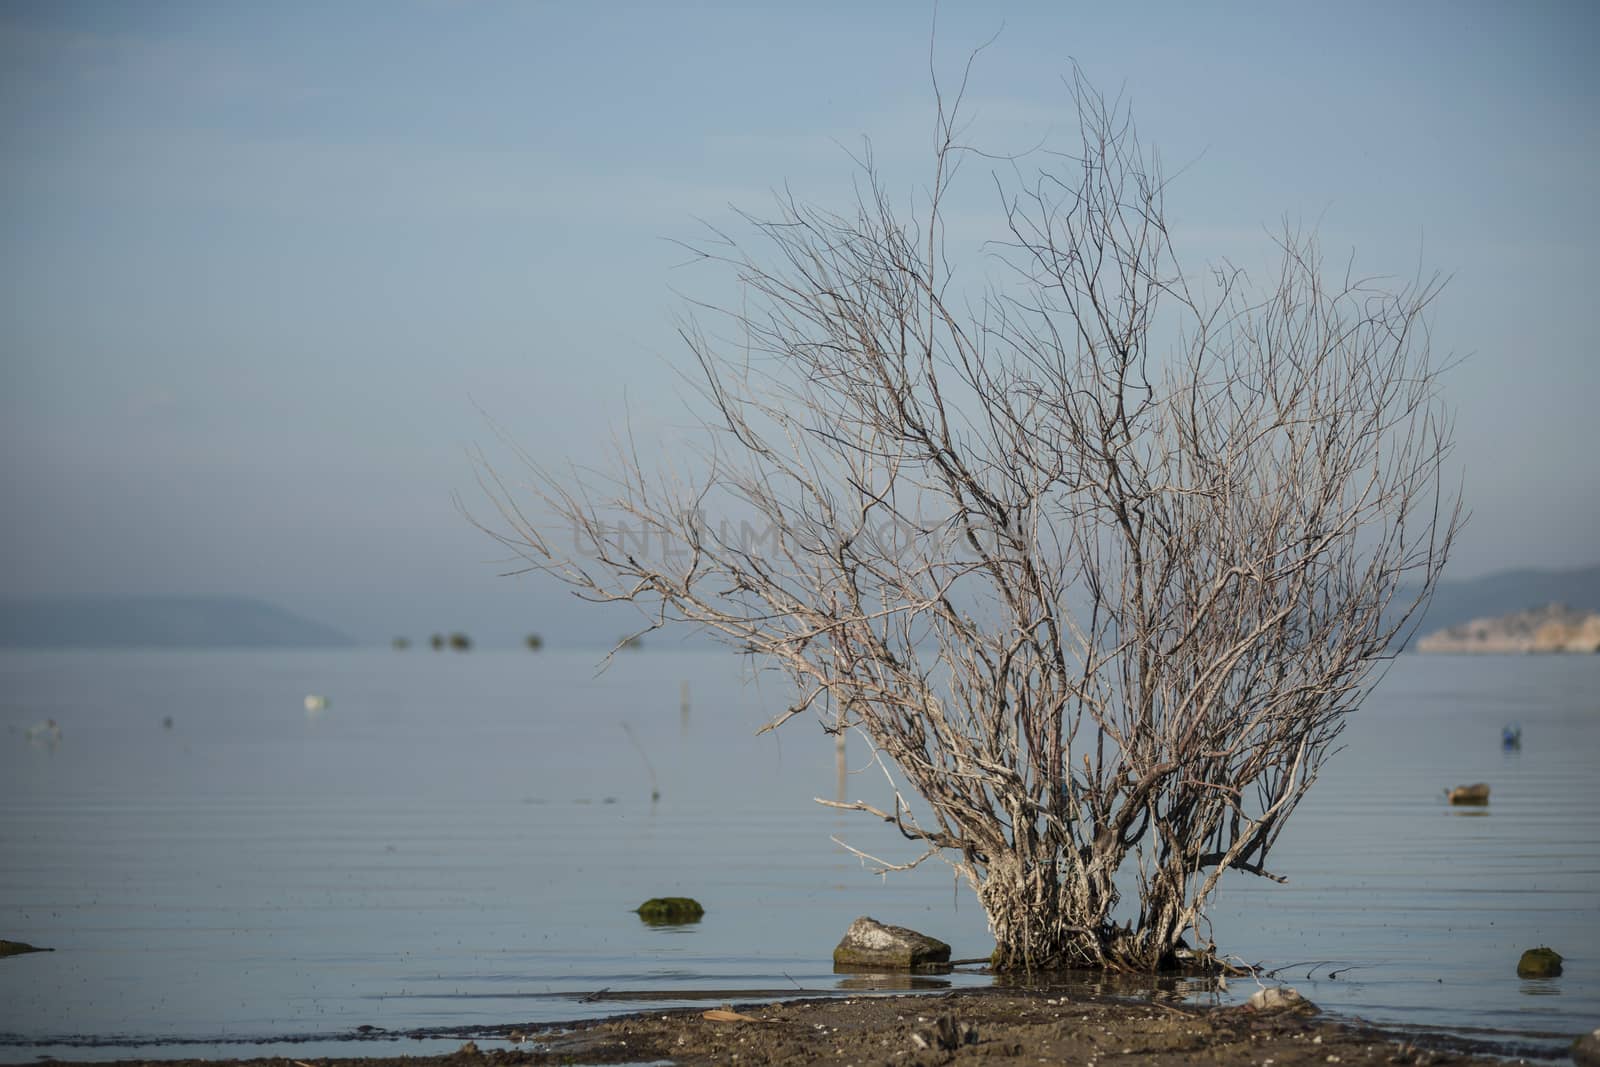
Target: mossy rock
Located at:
point(1539, 962)
point(18, 948)
point(670, 911)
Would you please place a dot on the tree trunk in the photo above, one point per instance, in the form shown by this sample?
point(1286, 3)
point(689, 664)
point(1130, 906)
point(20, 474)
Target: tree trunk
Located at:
point(1033, 923)
point(1039, 925)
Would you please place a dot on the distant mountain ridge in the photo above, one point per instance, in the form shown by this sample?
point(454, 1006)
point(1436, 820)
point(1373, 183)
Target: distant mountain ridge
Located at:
point(248, 622)
point(159, 622)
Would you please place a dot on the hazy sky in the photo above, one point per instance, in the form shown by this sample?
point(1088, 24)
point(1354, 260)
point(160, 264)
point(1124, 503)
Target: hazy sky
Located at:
point(262, 263)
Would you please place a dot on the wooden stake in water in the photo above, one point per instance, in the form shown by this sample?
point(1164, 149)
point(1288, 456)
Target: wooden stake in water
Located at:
point(655, 786)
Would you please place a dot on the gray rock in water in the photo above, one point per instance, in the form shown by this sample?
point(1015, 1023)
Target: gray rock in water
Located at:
point(1586, 1050)
point(1280, 998)
point(871, 945)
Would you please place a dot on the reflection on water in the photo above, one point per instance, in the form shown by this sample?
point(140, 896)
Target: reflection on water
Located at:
point(1099, 984)
point(463, 840)
point(1540, 987)
point(891, 983)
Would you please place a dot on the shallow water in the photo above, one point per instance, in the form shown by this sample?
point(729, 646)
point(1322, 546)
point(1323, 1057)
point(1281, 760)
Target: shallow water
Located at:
point(458, 840)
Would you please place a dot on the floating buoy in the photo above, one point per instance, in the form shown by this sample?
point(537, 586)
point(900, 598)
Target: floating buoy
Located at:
point(45, 733)
point(315, 704)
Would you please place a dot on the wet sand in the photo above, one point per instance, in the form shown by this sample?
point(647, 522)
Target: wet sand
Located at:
point(979, 1026)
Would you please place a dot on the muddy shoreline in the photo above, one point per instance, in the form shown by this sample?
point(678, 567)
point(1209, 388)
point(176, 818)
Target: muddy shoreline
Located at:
point(970, 1026)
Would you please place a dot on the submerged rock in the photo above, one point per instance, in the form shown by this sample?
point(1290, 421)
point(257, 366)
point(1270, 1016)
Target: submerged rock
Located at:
point(1469, 794)
point(672, 911)
point(871, 945)
point(1539, 962)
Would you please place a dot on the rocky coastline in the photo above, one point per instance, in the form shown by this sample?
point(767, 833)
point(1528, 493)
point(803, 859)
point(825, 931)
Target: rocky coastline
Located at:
point(1552, 628)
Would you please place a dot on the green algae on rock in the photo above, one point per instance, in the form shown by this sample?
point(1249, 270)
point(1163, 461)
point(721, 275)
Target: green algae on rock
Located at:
point(670, 911)
point(18, 948)
point(1539, 962)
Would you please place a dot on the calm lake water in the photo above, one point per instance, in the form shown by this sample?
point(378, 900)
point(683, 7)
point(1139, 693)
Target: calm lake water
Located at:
point(459, 840)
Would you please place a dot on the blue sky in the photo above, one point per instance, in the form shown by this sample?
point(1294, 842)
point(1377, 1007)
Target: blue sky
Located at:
point(262, 264)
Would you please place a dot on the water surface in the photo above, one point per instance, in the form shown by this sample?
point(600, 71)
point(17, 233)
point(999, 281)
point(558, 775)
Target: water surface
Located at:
point(460, 839)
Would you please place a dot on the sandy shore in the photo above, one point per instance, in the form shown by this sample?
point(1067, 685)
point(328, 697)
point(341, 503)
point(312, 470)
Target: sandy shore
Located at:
point(980, 1026)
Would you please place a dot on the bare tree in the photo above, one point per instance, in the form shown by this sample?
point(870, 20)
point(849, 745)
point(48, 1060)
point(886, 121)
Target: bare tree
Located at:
point(1099, 563)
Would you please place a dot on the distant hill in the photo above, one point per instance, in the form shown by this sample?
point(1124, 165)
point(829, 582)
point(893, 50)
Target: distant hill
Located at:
point(1509, 592)
point(159, 622)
